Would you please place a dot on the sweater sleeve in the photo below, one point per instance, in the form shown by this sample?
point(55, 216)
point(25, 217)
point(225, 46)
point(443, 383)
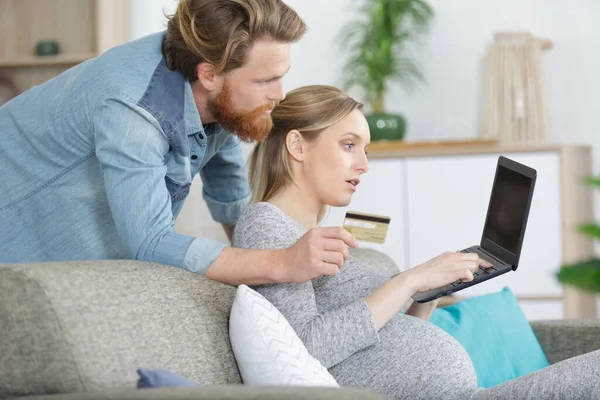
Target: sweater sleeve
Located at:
point(330, 337)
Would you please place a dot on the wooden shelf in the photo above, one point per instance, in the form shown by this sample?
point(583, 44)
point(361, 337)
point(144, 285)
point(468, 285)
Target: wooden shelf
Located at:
point(82, 28)
point(391, 145)
point(34, 61)
point(393, 149)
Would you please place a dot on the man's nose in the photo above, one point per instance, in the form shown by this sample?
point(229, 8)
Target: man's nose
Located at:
point(277, 93)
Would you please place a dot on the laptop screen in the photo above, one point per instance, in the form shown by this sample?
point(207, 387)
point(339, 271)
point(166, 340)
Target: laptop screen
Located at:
point(508, 209)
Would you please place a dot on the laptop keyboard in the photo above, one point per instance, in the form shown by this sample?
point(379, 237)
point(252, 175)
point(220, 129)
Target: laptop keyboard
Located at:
point(480, 271)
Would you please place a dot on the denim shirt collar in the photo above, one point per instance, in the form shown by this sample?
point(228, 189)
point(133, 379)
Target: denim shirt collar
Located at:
point(192, 121)
point(170, 100)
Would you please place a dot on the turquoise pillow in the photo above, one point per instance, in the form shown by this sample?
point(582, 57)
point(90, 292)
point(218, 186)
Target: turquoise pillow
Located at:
point(496, 334)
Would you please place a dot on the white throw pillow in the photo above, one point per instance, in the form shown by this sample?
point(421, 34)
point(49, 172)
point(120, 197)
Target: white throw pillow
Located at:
point(267, 350)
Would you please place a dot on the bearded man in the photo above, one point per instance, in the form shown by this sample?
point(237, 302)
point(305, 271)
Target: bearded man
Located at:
point(97, 162)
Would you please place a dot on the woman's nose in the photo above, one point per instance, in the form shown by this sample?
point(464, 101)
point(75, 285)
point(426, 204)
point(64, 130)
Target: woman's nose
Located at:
point(363, 164)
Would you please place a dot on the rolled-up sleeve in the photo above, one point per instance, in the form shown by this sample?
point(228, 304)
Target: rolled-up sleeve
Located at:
point(131, 151)
point(225, 182)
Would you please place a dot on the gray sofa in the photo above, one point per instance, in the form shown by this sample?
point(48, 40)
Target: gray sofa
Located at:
point(81, 329)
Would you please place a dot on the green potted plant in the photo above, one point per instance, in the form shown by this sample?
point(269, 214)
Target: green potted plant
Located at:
point(585, 274)
point(379, 44)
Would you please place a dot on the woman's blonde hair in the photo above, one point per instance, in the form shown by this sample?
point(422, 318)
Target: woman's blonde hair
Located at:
point(221, 32)
point(309, 110)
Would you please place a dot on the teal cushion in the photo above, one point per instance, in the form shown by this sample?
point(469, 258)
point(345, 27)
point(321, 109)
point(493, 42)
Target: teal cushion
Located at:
point(496, 334)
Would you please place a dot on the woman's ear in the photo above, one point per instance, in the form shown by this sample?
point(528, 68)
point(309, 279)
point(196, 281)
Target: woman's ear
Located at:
point(296, 145)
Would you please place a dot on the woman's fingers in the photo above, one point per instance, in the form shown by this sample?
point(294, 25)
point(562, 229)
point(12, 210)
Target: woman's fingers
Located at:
point(477, 261)
point(484, 264)
point(467, 276)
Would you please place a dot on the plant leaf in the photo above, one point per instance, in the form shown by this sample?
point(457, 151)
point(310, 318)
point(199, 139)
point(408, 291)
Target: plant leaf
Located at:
point(376, 44)
point(592, 181)
point(584, 275)
point(590, 229)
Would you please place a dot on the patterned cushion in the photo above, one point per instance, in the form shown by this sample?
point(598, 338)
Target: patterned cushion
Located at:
point(267, 350)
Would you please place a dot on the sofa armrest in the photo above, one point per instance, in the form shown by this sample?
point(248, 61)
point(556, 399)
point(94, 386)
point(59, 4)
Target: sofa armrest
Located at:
point(562, 339)
point(219, 392)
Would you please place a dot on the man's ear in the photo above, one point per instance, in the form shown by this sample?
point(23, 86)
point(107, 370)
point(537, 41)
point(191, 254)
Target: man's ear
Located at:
point(296, 145)
point(208, 77)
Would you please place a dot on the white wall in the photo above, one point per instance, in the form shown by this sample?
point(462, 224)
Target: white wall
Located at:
point(451, 58)
point(448, 106)
point(147, 16)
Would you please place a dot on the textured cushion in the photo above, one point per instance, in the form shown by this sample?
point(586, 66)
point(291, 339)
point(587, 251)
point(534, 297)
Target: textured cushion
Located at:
point(267, 349)
point(161, 378)
point(87, 326)
point(565, 338)
point(375, 259)
point(496, 334)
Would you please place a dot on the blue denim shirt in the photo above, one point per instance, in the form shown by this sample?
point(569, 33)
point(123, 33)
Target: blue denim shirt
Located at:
point(97, 162)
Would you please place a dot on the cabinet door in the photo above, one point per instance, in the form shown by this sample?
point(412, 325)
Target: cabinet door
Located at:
point(381, 191)
point(447, 199)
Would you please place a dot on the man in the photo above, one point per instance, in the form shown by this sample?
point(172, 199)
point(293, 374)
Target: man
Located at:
point(96, 163)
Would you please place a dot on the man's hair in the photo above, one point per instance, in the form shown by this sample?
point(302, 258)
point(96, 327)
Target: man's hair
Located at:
point(221, 32)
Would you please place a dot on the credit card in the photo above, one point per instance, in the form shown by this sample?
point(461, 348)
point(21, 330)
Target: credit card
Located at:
point(367, 227)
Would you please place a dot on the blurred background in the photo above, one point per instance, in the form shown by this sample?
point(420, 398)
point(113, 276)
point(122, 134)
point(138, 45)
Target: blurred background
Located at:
point(466, 81)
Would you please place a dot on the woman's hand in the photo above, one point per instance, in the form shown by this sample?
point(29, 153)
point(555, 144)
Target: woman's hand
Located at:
point(422, 310)
point(444, 269)
point(388, 300)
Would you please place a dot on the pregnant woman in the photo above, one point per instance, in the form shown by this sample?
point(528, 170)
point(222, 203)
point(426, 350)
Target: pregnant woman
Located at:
point(351, 321)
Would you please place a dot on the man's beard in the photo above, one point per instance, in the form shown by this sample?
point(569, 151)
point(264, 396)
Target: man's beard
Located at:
point(248, 126)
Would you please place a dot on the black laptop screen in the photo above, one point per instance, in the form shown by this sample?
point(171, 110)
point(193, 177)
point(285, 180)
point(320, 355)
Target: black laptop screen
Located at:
point(507, 209)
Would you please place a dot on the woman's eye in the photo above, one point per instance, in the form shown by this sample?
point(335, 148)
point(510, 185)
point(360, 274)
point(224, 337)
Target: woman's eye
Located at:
point(348, 146)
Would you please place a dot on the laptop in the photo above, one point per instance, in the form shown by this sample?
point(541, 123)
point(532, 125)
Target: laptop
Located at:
point(504, 227)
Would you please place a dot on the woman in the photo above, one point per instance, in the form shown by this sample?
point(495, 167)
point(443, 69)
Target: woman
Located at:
point(351, 322)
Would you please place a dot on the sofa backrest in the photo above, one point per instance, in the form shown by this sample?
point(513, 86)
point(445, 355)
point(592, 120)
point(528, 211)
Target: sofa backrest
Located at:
point(87, 326)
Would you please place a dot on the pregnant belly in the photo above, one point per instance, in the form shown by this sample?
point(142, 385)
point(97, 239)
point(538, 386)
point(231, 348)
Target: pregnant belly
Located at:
point(413, 360)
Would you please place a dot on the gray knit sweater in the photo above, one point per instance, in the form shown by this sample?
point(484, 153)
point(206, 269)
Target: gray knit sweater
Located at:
point(408, 358)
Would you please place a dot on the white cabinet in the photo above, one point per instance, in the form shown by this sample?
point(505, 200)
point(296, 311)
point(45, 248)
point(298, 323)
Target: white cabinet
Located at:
point(439, 202)
point(450, 215)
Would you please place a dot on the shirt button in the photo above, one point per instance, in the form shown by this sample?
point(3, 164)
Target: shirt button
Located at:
point(194, 157)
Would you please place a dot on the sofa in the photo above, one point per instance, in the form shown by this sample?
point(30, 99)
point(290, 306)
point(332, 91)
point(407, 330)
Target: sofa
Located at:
point(81, 329)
